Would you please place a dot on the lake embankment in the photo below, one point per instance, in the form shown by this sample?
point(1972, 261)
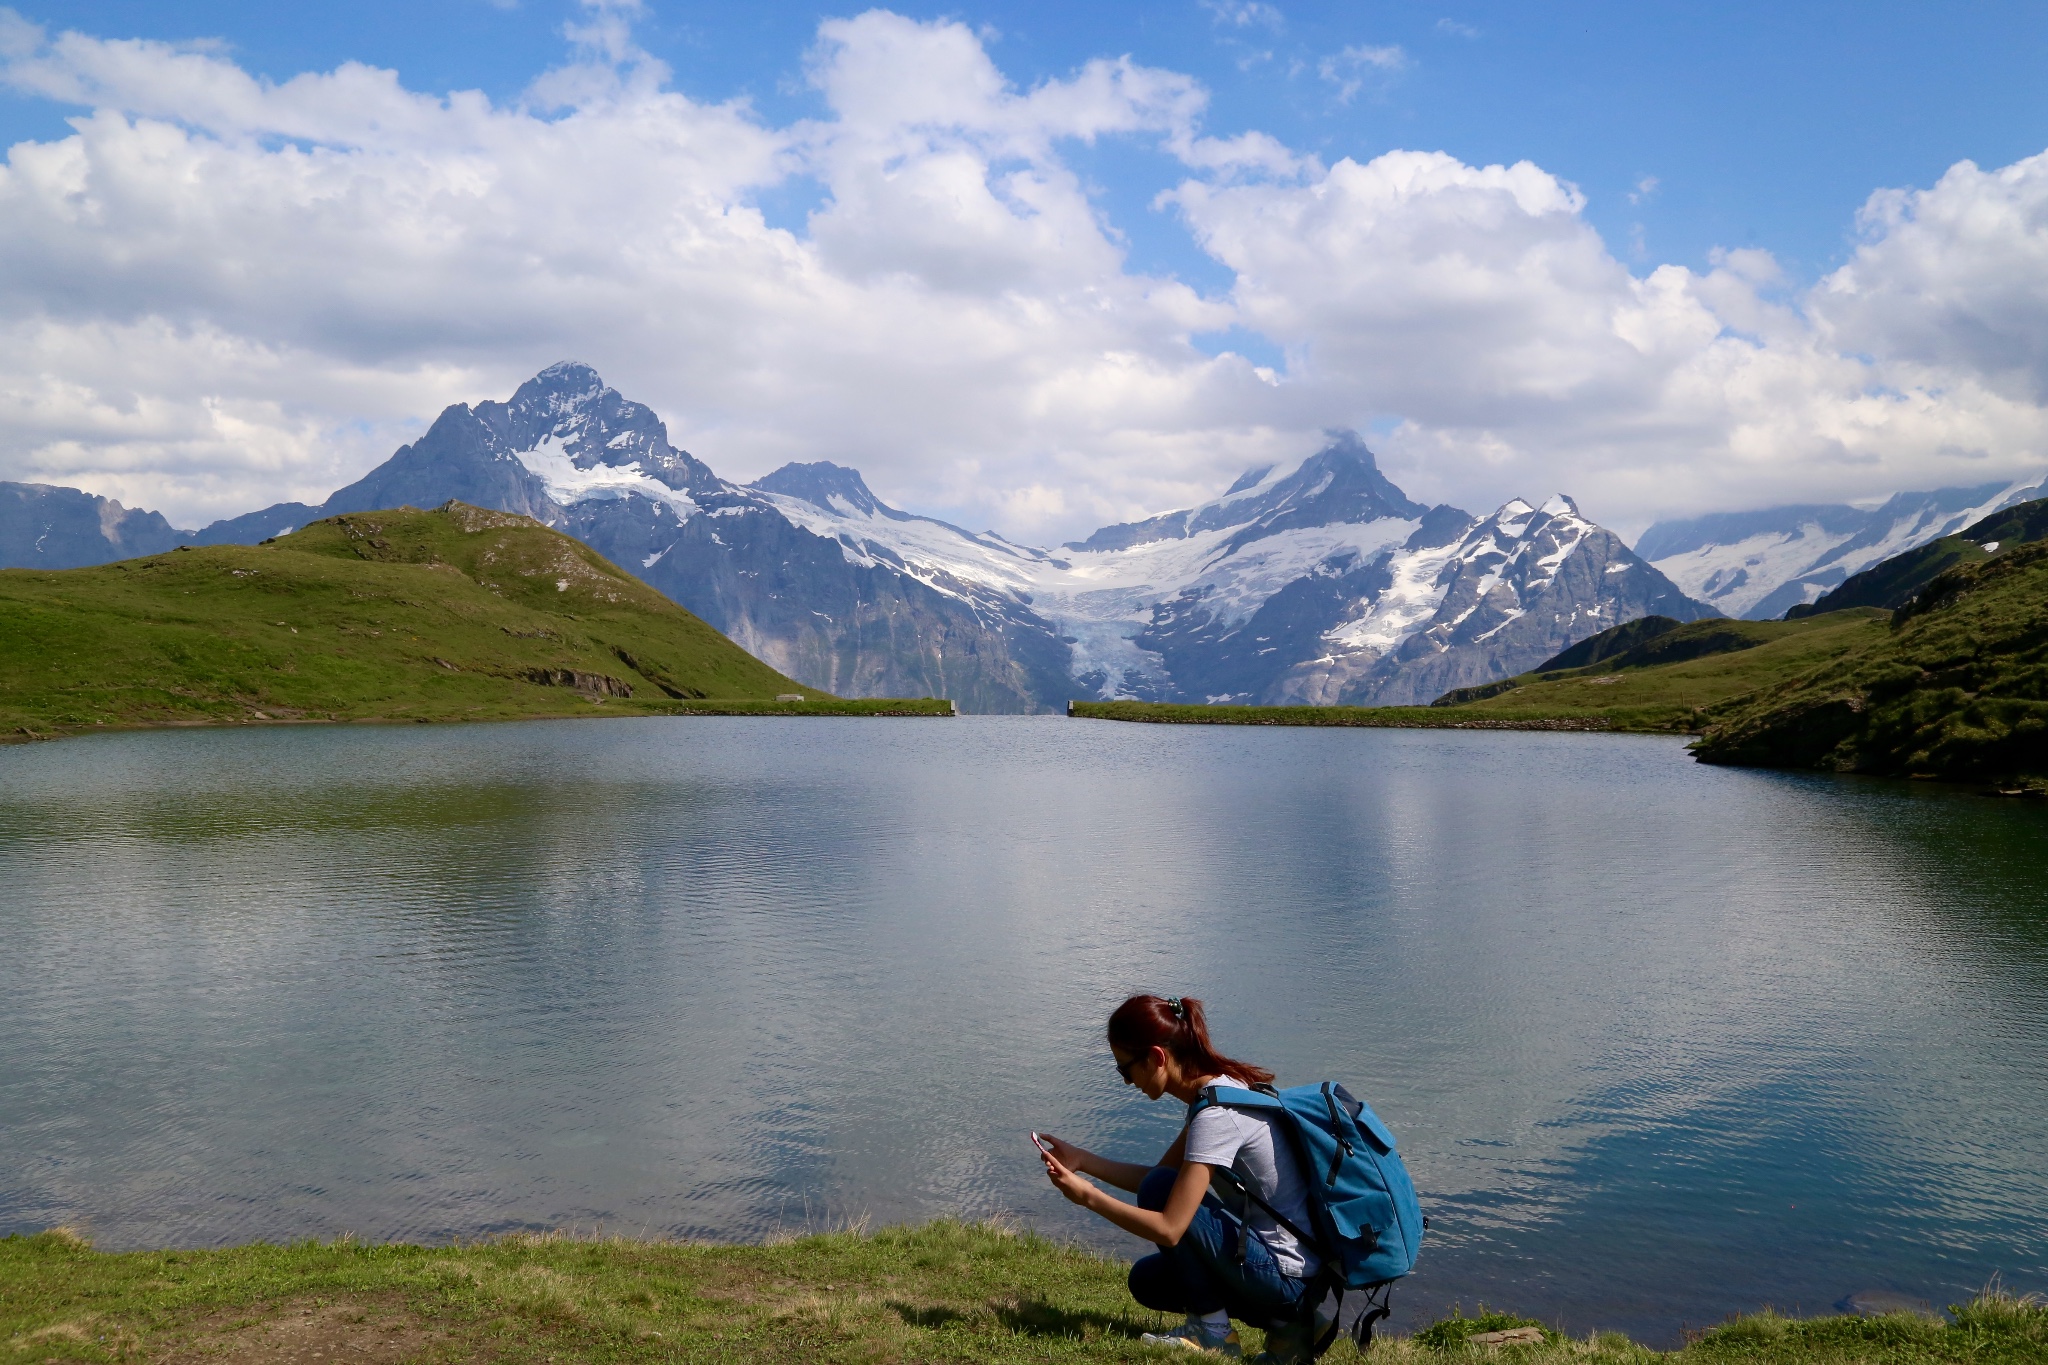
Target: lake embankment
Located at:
point(1357, 717)
point(942, 1291)
point(898, 707)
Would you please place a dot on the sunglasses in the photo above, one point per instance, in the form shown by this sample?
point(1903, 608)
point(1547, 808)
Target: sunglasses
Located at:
point(1123, 1069)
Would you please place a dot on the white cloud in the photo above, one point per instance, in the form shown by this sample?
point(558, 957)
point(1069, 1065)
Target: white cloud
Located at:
point(1456, 29)
point(1246, 14)
point(1644, 188)
point(1953, 278)
point(1479, 305)
point(1350, 69)
point(219, 291)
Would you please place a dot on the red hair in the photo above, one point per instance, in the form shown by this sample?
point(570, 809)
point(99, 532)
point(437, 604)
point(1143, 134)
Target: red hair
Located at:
point(1144, 1022)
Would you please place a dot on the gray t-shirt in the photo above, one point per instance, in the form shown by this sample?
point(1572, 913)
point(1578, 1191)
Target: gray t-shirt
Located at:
point(1246, 1146)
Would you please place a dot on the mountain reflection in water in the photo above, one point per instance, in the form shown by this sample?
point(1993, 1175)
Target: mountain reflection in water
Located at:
point(1662, 1042)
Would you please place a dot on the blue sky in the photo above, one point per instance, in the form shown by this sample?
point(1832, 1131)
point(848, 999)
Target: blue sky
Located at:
point(227, 277)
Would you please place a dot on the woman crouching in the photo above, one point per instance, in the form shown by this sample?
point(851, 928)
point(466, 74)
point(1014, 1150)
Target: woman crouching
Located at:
point(1222, 1255)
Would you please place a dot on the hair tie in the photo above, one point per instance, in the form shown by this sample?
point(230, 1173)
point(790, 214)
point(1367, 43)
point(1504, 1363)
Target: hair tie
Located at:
point(1179, 1010)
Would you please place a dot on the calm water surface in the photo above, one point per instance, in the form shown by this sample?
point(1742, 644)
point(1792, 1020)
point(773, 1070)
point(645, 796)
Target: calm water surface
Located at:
point(1661, 1042)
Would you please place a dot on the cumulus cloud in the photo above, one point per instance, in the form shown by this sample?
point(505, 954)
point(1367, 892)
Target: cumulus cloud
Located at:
point(1481, 306)
point(1953, 278)
point(220, 291)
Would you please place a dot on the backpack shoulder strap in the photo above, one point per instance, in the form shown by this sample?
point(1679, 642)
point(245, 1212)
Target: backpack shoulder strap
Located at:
point(1235, 1097)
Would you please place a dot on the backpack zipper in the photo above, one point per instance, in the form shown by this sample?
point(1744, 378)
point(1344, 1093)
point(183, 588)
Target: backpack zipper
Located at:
point(1343, 1152)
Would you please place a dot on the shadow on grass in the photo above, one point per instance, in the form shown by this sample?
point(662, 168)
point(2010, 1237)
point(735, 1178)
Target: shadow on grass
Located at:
point(1037, 1318)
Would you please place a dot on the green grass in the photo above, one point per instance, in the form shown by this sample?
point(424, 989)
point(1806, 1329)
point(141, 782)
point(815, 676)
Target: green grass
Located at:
point(1955, 687)
point(1371, 717)
point(1654, 688)
point(453, 614)
point(946, 1291)
point(816, 706)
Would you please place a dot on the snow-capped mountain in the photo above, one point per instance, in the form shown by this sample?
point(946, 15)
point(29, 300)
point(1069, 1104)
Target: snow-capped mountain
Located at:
point(1321, 583)
point(1756, 565)
point(1514, 589)
point(1318, 581)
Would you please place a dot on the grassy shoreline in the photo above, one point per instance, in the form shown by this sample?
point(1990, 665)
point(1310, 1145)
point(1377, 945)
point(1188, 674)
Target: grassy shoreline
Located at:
point(1367, 717)
point(943, 1291)
point(610, 708)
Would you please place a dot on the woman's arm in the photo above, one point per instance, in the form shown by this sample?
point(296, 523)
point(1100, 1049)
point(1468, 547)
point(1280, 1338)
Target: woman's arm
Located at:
point(1125, 1175)
point(1165, 1227)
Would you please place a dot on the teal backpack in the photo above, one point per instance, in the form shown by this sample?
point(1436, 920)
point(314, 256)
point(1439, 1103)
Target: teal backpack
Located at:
point(1364, 1221)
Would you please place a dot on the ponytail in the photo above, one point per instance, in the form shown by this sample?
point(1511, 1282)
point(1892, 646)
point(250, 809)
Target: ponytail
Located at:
point(1176, 1023)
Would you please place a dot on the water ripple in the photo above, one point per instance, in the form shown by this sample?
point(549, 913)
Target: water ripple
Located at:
point(1663, 1042)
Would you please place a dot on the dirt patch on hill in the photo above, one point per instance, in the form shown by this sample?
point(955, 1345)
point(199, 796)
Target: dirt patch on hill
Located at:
point(302, 1333)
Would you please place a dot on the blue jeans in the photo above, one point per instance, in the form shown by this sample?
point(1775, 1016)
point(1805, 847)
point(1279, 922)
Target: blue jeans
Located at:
point(1202, 1272)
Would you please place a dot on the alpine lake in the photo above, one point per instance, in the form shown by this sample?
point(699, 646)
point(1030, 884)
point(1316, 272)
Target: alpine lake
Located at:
point(1661, 1042)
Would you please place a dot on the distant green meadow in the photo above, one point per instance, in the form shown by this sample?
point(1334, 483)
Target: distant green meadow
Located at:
point(1370, 717)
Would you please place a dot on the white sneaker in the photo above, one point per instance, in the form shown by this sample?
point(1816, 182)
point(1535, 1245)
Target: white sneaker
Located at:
point(1193, 1336)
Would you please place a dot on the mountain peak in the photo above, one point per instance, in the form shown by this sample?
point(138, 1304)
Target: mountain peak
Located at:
point(1339, 484)
point(827, 486)
point(567, 376)
point(1251, 478)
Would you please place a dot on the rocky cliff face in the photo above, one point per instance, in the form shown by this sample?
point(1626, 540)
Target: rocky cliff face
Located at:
point(1314, 581)
point(44, 527)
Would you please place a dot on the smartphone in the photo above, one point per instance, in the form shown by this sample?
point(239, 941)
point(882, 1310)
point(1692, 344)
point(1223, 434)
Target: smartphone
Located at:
point(1038, 1141)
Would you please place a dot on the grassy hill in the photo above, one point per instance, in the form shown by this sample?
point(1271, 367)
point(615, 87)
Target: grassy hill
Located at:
point(1956, 687)
point(1679, 679)
point(453, 614)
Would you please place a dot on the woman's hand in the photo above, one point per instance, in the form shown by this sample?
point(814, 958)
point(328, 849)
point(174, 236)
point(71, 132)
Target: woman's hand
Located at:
point(1125, 1175)
point(1072, 1157)
point(1067, 1181)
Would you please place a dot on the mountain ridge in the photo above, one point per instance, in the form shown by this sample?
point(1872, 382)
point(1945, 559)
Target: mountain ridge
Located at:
point(1759, 564)
point(1317, 577)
